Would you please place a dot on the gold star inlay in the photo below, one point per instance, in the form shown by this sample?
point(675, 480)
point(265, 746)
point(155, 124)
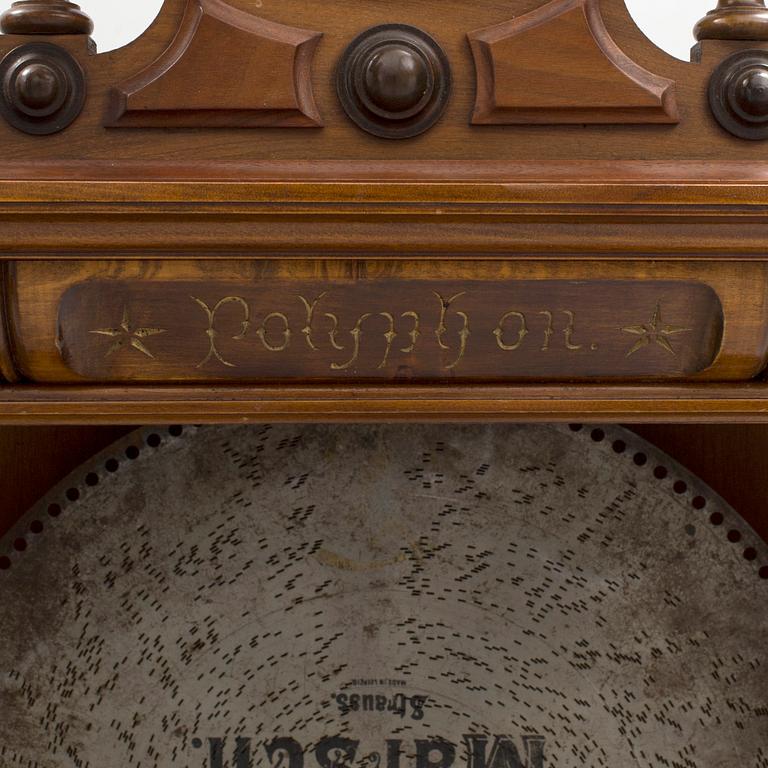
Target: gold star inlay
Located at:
point(126, 334)
point(654, 332)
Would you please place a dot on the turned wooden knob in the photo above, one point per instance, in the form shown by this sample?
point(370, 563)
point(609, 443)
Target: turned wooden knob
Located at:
point(735, 20)
point(39, 88)
point(738, 94)
point(394, 81)
point(749, 94)
point(45, 17)
point(397, 80)
point(43, 88)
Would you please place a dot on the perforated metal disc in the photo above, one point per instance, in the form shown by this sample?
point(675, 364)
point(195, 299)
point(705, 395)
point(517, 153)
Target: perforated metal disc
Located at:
point(490, 597)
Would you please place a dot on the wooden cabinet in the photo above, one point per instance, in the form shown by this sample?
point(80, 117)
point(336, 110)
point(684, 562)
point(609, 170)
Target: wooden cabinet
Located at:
point(424, 211)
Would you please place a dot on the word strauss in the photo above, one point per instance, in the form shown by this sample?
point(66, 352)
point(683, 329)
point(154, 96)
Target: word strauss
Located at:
point(399, 704)
point(341, 752)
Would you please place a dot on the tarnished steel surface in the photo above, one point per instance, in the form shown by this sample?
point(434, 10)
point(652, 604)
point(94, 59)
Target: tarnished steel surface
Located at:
point(349, 597)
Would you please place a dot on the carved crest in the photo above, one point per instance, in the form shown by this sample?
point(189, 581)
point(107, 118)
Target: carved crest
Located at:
point(274, 61)
point(558, 64)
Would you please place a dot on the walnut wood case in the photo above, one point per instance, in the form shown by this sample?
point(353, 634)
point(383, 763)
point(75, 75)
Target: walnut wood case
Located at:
point(518, 210)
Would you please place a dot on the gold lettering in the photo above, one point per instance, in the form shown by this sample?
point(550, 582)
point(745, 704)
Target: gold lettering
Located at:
point(390, 336)
point(211, 331)
point(511, 331)
point(262, 332)
point(310, 308)
point(442, 328)
point(415, 333)
point(463, 336)
point(356, 333)
point(521, 334)
point(549, 330)
point(332, 333)
point(570, 330)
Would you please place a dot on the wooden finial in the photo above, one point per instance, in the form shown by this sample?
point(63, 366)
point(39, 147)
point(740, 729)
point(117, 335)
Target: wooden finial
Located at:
point(735, 20)
point(45, 17)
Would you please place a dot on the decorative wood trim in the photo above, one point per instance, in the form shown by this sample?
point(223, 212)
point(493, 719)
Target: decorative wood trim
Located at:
point(45, 17)
point(404, 322)
point(575, 211)
point(198, 82)
point(734, 20)
point(558, 64)
point(7, 364)
point(494, 221)
point(715, 180)
point(453, 205)
point(723, 186)
point(185, 404)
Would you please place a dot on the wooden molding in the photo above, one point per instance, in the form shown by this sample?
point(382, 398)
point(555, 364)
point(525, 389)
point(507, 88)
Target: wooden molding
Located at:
point(45, 17)
point(8, 371)
point(189, 404)
point(734, 20)
point(453, 138)
point(558, 64)
point(224, 69)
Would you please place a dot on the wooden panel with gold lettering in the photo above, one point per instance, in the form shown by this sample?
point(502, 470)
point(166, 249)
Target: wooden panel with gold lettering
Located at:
point(389, 329)
point(572, 224)
point(375, 321)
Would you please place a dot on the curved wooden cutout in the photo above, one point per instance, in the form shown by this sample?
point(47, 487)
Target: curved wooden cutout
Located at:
point(224, 69)
point(558, 64)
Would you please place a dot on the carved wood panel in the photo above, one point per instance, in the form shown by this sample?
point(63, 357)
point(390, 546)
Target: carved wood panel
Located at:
point(390, 329)
point(200, 66)
point(559, 64)
point(372, 321)
point(224, 68)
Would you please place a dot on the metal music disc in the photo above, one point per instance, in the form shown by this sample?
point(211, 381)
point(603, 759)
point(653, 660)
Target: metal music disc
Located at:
point(394, 596)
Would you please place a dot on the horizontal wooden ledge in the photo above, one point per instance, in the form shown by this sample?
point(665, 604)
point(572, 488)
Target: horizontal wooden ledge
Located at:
point(746, 403)
point(644, 183)
point(677, 172)
point(67, 237)
point(339, 210)
point(603, 192)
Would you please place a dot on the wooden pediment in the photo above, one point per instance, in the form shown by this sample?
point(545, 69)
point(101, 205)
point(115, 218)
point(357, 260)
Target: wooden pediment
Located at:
point(193, 84)
point(558, 64)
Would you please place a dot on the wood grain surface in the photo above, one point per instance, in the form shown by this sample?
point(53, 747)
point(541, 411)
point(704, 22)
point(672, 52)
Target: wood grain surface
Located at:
point(108, 233)
point(403, 330)
point(450, 21)
point(517, 85)
point(274, 59)
point(304, 322)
